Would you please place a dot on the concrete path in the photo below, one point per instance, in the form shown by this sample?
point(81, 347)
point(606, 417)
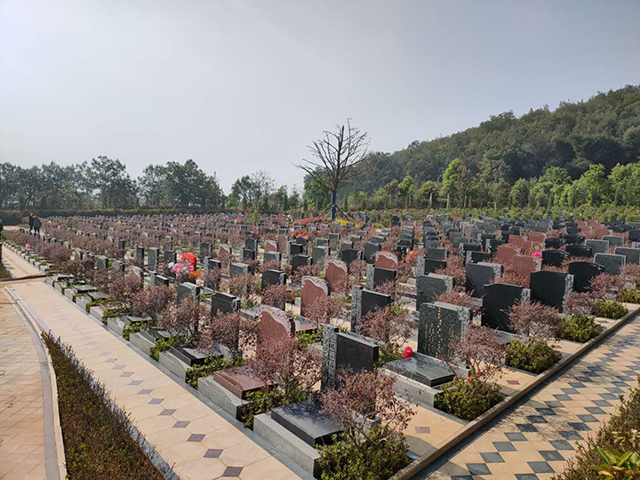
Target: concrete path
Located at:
point(534, 440)
point(193, 439)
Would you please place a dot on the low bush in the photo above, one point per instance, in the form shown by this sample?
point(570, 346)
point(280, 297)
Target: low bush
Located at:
point(468, 399)
point(618, 437)
point(307, 338)
point(263, 401)
point(134, 328)
point(610, 309)
point(210, 366)
point(163, 345)
point(631, 295)
point(533, 356)
point(580, 328)
point(375, 460)
point(97, 440)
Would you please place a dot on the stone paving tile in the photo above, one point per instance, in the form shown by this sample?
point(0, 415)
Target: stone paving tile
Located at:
point(21, 405)
point(535, 440)
point(186, 433)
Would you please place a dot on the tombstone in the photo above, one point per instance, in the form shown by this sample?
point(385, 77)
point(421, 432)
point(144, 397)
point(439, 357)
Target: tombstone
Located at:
point(505, 253)
point(614, 240)
point(224, 303)
point(372, 301)
point(272, 277)
point(117, 266)
point(137, 271)
point(169, 256)
point(139, 255)
point(537, 237)
point(554, 258)
point(205, 249)
point(583, 273)
point(430, 287)
point(122, 244)
point(269, 257)
point(342, 352)
point(553, 242)
point(386, 260)
point(632, 255)
point(498, 300)
point(187, 290)
point(439, 325)
point(251, 244)
point(153, 258)
point(349, 255)
point(379, 276)
point(159, 280)
point(318, 254)
point(238, 270)
point(102, 263)
point(274, 325)
point(598, 246)
point(611, 262)
point(270, 246)
point(299, 261)
point(337, 275)
point(313, 290)
point(550, 288)
point(477, 257)
point(370, 251)
point(577, 250)
point(438, 254)
point(524, 265)
point(213, 264)
point(634, 235)
point(480, 274)
point(248, 255)
point(295, 249)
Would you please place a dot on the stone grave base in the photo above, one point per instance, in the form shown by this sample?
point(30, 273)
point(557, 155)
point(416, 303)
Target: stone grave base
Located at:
point(97, 311)
point(287, 443)
point(70, 293)
point(82, 301)
point(143, 343)
point(411, 390)
point(222, 397)
point(172, 363)
point(116, 325)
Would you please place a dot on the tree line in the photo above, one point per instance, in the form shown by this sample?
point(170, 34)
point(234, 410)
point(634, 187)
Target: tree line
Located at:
point(580, 153)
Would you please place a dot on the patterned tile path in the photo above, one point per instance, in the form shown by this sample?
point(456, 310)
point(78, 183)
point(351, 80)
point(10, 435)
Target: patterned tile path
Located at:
point(535, 440)
point(22, 439)
point(192, 438)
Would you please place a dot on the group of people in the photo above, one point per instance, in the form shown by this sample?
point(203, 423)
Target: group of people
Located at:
point(34, 223)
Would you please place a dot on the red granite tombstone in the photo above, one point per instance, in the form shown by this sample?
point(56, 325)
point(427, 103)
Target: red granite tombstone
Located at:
point(282, 244)
point(239, 381)
point(601, 232)
point(505, 253)
point(525, 265)
point(274, 325)
point(337, 275)
point(537, 236)
point(386, 260)
point(516, 240)
point(313, 289)
point(270, 246)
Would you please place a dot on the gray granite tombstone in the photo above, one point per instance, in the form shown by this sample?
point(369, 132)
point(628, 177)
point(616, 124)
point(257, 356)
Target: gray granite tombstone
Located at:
point(551, 288)
point(480, 274)
point(632, 255)
point(224, 303)
point(611, 262)
point(429, 287)
point(439, 325)
point(583, 273)
point(187, 290)
point(497, 301)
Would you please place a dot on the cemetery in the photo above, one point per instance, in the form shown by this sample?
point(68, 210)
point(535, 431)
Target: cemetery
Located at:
point(340, 342)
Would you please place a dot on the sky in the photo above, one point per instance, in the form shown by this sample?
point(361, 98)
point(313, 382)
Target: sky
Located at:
point(245, 85)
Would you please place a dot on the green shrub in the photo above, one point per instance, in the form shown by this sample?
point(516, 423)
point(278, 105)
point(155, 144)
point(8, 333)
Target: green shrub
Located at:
point(533, 356)
point(306, 338)
point(375, 460)
point(631, 295)
point(610, 309)
point(210, 366)
point(163, 345)
point(98, 442)
point(468, 399)
point(134, 328)
point(263, 401)
point(580, 328)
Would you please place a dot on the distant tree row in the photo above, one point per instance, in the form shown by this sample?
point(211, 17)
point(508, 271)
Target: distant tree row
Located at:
point(580, 153)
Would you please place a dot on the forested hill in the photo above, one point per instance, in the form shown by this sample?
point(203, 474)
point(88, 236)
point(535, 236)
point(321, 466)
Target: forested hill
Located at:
point(603, 130)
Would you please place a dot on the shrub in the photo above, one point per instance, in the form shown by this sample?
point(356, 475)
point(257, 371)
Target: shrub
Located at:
point(152, 301)
point(468, 399)
point(163, 345)
point(209, 367)
point(134, 328)
point(532, 355)
point(630, 295)
point(183, 319)
point(371, 461)
point(97, 427)
point(457, 297)
point(124, 287)
point(375, 453)
point(610, 309)
point(580, 328)
point(535, 320)
point(579, 303)
point(389, 329)
point(480, 350)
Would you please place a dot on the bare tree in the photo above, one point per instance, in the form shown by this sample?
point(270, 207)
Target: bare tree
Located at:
point(337, 155)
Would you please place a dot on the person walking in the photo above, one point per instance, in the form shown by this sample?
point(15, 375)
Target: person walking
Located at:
point(31, 217)
point(36, 224)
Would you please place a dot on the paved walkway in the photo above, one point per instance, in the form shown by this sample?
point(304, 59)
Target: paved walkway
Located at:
point(193, 439)
point(22, 451)
point(535, 440)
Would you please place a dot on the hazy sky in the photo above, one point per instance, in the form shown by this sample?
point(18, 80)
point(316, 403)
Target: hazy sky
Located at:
point(241, 86)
